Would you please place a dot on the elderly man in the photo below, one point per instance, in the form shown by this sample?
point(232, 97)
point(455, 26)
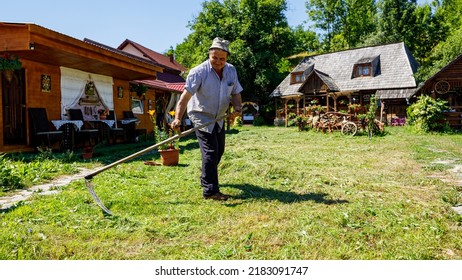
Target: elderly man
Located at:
point(209, 89)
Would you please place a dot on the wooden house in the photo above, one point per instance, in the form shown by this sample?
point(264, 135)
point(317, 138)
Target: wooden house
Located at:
point(337, 80)
point(165, 90)
point(446, 85)
point(56, 70)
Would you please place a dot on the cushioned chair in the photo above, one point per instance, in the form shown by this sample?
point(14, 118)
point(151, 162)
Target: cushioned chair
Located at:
point(42, 132)
point(132, 132)
point(87, 136)
point(116, 131)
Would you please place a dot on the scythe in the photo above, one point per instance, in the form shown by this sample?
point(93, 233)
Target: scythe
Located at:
point(90, 176)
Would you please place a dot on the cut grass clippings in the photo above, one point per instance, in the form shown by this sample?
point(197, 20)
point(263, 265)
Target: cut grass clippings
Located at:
point(296, 195)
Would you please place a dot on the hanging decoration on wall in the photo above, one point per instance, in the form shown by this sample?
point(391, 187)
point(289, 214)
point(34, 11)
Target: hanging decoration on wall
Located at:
point(91, 104)
point(90, 96)
point(45, 83)
point(120, 92)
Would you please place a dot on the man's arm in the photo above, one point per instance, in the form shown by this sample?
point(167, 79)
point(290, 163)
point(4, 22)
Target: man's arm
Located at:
point(181, 109)
point(237, 102)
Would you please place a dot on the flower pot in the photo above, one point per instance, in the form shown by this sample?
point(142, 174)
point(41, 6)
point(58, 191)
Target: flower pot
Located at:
point(170, 157)
point(87, 152)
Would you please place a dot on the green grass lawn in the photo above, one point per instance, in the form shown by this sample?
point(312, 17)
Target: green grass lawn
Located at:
point(296, 195)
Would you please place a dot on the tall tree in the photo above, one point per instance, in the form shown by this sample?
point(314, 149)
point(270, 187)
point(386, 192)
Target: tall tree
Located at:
point(259, 34)
point(447, 41)
point(397, 20)
point(359, 21)
point(327, 16)
point(429, 30)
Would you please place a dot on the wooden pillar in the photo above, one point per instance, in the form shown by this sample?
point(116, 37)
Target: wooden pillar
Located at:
point(297, 99)
point(334, 96)
point(327, 102)
point(382, 104)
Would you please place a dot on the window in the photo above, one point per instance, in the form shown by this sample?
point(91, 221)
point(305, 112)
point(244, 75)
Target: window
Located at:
point(137, 106)
point(297, 78)
point(362, 70)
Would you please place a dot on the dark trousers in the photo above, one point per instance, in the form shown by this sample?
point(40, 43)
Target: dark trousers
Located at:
point(212, 147)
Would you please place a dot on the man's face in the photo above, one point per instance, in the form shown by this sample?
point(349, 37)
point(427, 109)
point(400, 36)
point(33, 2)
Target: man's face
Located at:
point(218, 59)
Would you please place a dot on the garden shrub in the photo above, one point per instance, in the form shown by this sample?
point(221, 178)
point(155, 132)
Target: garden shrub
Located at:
point(427, 114)
point(259, 121)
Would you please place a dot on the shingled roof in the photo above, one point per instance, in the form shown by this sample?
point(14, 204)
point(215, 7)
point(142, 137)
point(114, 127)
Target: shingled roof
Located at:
point(393, 69)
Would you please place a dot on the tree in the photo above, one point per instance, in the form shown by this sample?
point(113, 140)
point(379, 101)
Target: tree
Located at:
point(428, 31)
point(259, 34)
point(447, 39)
point(327, 16)
point(397, 19)
point(305, 40)
point(343, 22)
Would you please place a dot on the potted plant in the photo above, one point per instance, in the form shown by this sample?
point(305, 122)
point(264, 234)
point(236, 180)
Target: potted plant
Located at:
point(139, 89)
point(169, 152)
point(301, 121)
point(354, 108)
point(8, 64)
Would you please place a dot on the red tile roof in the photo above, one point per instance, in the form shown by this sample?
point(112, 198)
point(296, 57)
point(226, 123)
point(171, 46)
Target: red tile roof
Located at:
point(161, 59)
point(157, 84)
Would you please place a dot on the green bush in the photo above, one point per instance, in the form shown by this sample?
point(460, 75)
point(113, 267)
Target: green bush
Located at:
point(292, 119)
point(427, 114)
point(259, 121)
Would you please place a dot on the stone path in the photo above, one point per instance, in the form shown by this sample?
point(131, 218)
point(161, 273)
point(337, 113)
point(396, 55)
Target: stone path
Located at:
point(52, 187)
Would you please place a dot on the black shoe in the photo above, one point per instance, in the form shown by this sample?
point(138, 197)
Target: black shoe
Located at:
point(217, 196)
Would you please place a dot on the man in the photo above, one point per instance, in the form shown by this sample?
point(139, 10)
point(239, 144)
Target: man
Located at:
point(209, 89)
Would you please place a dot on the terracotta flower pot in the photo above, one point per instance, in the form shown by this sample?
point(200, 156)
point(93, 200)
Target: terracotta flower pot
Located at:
point(170, 157)
point(87, 152)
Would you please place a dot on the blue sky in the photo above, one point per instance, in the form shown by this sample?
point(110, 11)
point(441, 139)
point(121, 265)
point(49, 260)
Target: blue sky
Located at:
point(155, 24)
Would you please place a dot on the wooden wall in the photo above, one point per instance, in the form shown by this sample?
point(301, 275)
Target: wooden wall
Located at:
point(35, 97)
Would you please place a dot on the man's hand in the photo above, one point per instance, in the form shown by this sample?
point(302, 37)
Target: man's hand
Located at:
point(237, 112)
point(176, 124)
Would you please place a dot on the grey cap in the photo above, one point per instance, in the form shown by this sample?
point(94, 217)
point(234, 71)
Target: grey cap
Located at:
point(219, 43)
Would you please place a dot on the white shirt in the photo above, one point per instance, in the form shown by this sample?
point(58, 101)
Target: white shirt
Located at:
point(210, 95)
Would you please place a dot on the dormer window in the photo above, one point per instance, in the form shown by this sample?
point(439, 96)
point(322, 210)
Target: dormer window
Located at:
point(362, 70)
point(366, 67)
point(297, 78)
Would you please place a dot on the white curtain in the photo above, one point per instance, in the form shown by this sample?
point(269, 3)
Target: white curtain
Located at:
point(174, 97)
point(73, 87)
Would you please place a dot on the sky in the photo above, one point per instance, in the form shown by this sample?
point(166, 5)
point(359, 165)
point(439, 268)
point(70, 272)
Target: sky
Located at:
point(155, 24)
